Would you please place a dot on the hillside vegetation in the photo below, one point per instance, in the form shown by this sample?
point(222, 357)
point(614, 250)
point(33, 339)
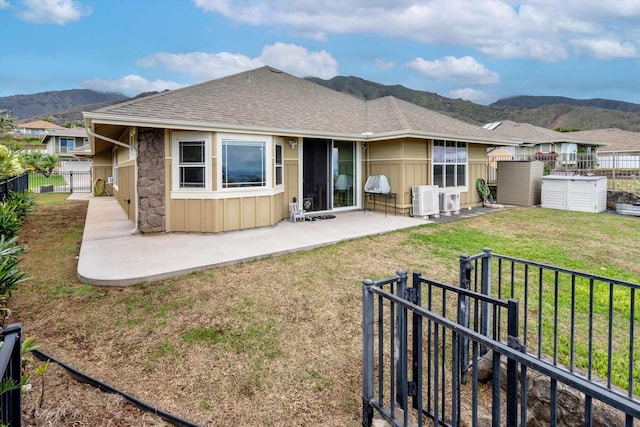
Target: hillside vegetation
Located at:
point(547, 111)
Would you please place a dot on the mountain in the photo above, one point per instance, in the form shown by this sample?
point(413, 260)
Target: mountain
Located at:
point(526, 101)
point(553, 112)
point(38, 105)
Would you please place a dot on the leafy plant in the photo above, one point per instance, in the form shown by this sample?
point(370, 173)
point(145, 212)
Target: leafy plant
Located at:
point(9, 163)
point(23, 202)
point(10, 223)
point(42, 370)
point(10, 273)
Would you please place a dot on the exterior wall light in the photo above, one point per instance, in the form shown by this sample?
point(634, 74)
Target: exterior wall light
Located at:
point(293, 143)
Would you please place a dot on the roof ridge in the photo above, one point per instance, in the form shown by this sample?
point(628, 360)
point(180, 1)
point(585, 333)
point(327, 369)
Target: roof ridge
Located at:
point(399, 113)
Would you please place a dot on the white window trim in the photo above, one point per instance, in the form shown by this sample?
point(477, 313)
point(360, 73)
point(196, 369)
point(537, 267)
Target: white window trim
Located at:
point(177, 137)
point(114, 167)
point(269, 157)
point(278, 143)
point(460, 188)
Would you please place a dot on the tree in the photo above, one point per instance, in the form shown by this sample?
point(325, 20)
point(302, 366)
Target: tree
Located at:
point(6, 121)
point(39, 161)
point(10, 164)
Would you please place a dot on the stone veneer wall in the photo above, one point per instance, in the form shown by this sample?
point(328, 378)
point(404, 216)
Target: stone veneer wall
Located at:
point(151, 185)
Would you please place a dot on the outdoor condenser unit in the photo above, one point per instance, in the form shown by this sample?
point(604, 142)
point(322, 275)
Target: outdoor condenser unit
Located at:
point(449, 203)
point(425, 200)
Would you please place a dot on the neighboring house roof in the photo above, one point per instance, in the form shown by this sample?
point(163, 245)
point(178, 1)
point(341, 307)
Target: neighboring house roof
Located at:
point(39, 124)
point(616, 139)
point(65, 132)
point(269, 100)
point(528, 134)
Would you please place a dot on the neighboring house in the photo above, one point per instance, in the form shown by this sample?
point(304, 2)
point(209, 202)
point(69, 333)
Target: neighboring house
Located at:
point(231, 153)
point(37, 128)
point(622, 149)
point(66, 143)
point(535, 142)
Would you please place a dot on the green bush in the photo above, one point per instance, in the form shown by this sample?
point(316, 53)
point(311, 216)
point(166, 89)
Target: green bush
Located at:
point(22, 202)
point(10, 223)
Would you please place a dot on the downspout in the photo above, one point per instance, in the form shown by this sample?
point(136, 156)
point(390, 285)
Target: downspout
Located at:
point(135, 171)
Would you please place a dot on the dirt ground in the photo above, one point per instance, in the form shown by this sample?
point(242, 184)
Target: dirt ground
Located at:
point(66, 402)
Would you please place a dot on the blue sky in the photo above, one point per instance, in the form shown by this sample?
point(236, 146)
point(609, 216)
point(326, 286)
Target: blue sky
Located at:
point(480, 50)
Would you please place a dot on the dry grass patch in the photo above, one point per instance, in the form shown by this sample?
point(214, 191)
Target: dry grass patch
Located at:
point(272, 342)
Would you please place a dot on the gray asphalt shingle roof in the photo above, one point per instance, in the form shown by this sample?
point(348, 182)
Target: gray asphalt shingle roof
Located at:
point(616, 139)
point(269, 99)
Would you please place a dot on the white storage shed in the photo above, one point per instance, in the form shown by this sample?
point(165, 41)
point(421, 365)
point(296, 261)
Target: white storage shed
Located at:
point(575, 193)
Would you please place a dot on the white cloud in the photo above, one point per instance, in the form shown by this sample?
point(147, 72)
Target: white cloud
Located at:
point(538, 29)
point(293, 59)
point(469, 94)
point(606, 49)
point(200, 65)
point(4, 4)
point(383, 63)
point(465, 69)
point(129, 85)
point(298, 61)
point(57, 12)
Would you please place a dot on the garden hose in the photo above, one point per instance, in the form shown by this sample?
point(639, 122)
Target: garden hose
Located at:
point(85, 379)
point(483, 190)
point(98, 187)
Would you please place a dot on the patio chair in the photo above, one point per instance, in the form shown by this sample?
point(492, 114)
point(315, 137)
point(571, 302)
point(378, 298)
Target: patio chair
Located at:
point(295, 212)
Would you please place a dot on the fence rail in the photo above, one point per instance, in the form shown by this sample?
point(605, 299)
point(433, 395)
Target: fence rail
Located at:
point(11, 372)
point(17, 184)
point(60, 182)
point(423, 371)
point(621, 169)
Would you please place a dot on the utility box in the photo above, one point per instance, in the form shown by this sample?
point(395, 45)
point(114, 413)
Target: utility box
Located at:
point(520, 182)
point(575, 193)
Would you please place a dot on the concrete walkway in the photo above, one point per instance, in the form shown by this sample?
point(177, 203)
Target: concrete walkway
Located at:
point(112, 254)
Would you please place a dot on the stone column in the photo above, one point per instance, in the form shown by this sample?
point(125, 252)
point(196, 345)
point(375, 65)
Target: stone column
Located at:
point(151, 185)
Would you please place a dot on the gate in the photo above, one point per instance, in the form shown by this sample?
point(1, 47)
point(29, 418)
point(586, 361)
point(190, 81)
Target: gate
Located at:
point(421, 359)
point(60, 182)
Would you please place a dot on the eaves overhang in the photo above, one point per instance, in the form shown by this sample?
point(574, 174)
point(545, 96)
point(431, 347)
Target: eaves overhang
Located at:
point(363, 136)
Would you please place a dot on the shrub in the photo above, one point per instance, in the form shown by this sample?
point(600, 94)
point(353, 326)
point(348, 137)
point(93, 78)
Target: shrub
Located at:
point(10, 273)
point(22, 202)
point(10, 223)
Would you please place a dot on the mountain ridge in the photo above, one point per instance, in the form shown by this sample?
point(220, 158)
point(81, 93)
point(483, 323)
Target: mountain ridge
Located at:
point(554, 112)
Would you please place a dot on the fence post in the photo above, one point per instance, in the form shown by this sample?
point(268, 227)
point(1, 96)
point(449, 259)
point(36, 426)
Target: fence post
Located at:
point(485, 289)
point(12, 411)
point(512, 372)
point(401, 346)
point(416, 358)
point(71, 181)
point(464, 315)
point(367, 353)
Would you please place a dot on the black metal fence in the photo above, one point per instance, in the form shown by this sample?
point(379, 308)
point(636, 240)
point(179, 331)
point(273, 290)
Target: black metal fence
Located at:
point(11, 372)
point(60, 182)
point(415, 373)
point(17, 184)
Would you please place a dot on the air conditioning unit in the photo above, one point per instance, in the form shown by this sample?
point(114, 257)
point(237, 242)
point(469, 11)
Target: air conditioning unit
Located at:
point(110, 180)
point(425, 200)
point(449, 203)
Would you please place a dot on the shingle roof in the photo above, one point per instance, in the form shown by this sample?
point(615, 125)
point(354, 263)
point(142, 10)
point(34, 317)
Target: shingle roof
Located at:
point(616, 139)
point(528, 133)
point(269, 99)
point(39, 124)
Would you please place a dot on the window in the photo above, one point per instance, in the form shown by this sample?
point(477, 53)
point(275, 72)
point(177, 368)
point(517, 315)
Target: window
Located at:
point(67, 145)
point(278, 164)
point(449, 164)
point(114, 167)
point(191, 164)
point(243, 163)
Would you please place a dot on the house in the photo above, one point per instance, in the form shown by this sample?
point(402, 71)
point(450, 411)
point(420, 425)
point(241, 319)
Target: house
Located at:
point(65, 143)
point(535, 142)
point(231, 153)
point(622, 150)
point(37, 128)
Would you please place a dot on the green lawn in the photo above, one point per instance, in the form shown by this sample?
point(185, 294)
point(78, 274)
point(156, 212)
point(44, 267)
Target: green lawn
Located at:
point(36, 180)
